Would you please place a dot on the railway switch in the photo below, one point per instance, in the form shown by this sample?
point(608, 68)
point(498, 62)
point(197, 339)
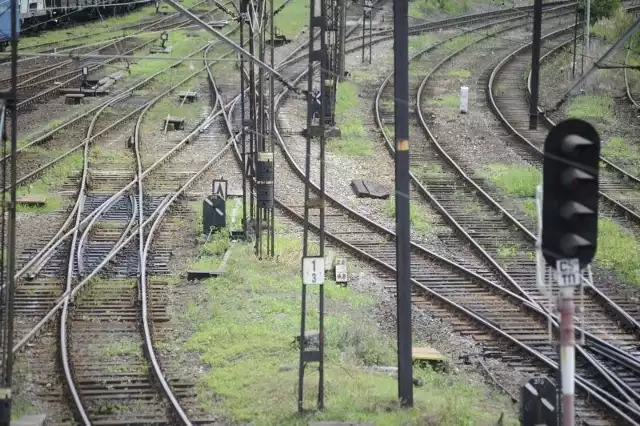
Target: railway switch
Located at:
point(570, 192)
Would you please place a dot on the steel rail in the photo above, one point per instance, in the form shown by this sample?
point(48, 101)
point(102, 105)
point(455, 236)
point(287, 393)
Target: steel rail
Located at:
point(498, 206)
point(43, 255)
point(461, 172)
point(626, 81)
point(583, 383)
point(61, 300)
point(62, 126)
point(289, 159)
point(143, 250)
point(494, 75)
point(625, 174)
point(57, 86)
point(102, 45)
point(72, 388)
point(117, 249)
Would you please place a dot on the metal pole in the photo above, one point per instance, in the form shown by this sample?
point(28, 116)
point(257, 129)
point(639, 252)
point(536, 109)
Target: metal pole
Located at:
point(370, 35)
point(587, 25)
point(243, 138)
point(535, 65)
point(364, 32)
point(575, 43)
point(5, 416)
point(567, 354)
point(272, 123)
point(342, 31)
point(252, 113)
point(403, 244)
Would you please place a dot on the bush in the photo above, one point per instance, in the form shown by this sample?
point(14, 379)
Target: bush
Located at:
point(601, 8)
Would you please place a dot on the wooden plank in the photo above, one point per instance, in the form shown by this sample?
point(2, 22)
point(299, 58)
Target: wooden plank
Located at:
point(426, 354)
point(32, 200)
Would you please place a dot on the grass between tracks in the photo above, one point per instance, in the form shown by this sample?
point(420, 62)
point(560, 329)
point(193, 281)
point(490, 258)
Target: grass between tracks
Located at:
point(420, 219)
point(355, 140)
point(52, 179)
point(247, 321)
point(424, 8)
point(624, 155)
point(293, 18)
point(617, 248)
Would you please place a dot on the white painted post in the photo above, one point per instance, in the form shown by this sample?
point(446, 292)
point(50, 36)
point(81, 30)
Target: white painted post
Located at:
point(464, 99)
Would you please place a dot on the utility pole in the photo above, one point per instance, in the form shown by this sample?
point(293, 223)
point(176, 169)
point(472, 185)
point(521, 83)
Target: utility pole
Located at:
point(569, 230)
point(587, 23)
point(403, 242)
point(313, 264)
point(342, 31)
point(6, 298)
point(575, 41)
point(535, 65)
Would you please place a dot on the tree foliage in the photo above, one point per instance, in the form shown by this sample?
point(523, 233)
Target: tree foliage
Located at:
point(601, 8)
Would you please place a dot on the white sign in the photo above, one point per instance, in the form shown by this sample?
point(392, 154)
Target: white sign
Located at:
point(341, 273)
point(313, 270)
point(220, 189)
point(568, 272)
point(464, 99)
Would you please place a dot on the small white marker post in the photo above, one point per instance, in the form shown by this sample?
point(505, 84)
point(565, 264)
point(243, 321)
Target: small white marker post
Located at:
point(464, 99)
point(313, 270)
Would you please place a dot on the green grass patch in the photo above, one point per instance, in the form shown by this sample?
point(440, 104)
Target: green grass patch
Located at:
point(122, 347)
point(428, 172)
point(354, 141)
point(420, 42)
point(516, 180)
point(424, 8)
point(461, 74)
point(449, 101)
point(421, 220)
point(183, 44)
point(591, 107)
point(507, 251)
point(623, 154)
point(457, 43)
point(50, 180)
point(293, 18)
point(20, 406)
point(170, 105)
point(111, 156)
point(610, 29)
point(618, 250)
point(244, 340)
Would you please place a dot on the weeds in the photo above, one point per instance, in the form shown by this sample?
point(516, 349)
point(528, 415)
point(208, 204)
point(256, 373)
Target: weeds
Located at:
point(245, 341)
point(354, 140)
point(591, 107)
point(420, 219)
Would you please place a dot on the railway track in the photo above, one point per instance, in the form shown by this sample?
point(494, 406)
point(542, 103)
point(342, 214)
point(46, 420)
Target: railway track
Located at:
point(102, 391)
point(454, 193)
point(619, 188)
point(346, 228)
point(122, 303)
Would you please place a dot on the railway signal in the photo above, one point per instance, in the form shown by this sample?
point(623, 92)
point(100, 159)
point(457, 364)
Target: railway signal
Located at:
point(570, 192)
point(569, 213)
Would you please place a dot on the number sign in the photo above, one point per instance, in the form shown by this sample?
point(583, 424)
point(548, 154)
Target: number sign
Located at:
point(313, 270)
